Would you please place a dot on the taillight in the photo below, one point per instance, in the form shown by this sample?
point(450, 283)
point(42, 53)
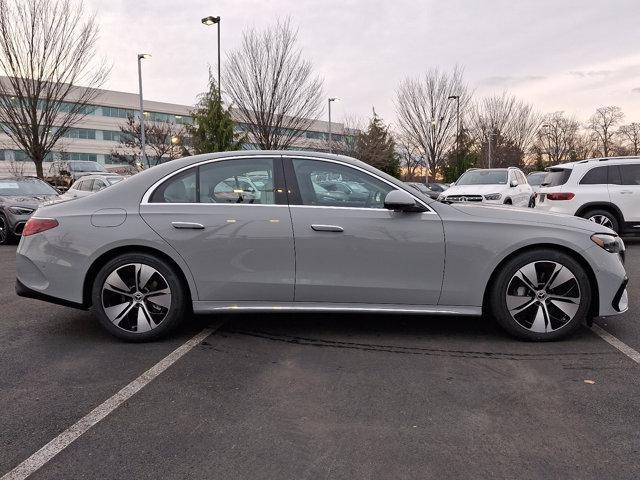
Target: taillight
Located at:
point(38, 225)
point(560, 196)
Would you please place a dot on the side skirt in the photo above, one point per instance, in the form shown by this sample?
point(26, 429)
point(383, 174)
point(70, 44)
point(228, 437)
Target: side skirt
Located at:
point(200, 307)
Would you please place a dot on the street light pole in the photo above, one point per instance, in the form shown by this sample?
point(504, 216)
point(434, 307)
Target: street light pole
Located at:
point(457, 99)
point(210, 20)
point(331, 99)
point(491, 135)
point(142, 137)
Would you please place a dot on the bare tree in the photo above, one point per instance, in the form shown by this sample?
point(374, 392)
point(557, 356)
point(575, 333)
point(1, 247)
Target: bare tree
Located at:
point(345, 142)
point(504, 122)
point(273, 87)
point(412, 162)
point(164, 141)
point(427, 115)
point(602, 125)
point(557, 137)
point(630, 134)
point(47, 49)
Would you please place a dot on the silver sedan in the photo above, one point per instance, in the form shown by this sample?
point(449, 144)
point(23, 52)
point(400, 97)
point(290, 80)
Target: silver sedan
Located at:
point(248, 231)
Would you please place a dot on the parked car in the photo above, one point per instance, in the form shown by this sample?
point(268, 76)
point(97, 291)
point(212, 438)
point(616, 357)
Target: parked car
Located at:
point(493, 185)
point(349, 192)
point(90, 184)
point(19, 198)
point(142, 257)
point(62, 174)
point(603, 190)
point(433, 190)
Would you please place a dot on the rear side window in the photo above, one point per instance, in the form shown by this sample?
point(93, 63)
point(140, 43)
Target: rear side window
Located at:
point(556, 176)
point(630, 174)
point(595, 176)
point(179, 189)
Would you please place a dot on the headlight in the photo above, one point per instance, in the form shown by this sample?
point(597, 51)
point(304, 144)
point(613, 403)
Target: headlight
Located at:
point(610, 243)
point(493, 196)
point(21, 210)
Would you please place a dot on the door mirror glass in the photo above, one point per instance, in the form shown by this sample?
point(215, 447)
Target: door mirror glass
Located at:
point(400, 200)
point(514, 183)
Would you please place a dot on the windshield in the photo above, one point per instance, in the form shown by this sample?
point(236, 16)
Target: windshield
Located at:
point(113, 180)
point(483, 177)
point(86, 167)
point(536, 179)
point(25, 186)
point(556, 176)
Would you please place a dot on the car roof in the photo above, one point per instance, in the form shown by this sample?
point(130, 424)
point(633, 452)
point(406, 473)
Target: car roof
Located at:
point(616, 160)
point(20, 178)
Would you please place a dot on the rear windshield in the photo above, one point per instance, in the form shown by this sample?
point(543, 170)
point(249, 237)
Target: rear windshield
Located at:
point(86, 167)
point(556, 176)
point(113, 180)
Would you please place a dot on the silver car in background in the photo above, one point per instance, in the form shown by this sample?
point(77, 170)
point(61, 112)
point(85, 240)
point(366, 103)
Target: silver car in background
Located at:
point(193, 235)
point(91, 184)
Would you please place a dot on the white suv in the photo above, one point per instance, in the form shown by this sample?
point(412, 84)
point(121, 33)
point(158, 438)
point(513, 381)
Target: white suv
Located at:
point(506, 186)
point(603, 190)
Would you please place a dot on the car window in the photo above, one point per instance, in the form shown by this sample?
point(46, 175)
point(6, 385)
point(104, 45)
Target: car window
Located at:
point(114, 180)
point(98, 185)
point(228, 181)
point(247, 180)
point(556, 177)
point(614, 175)
point(536, 179)
point(595, 176)
point(77, 185)
point(369, 193)
point(630, 174)
point(87, 185)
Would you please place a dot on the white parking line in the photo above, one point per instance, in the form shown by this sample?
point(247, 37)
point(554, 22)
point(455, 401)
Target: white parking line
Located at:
point(613, 341)
point(71, 434)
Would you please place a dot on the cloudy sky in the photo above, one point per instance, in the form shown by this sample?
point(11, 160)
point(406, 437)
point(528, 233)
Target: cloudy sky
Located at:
point(571, 55)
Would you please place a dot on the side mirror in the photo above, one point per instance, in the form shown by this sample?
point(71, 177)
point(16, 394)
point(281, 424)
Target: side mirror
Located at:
point(514, 183)
point(401, 201)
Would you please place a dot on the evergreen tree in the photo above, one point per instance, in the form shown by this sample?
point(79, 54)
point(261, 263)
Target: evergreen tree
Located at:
point(376, 147)
point(458, 162)
point(212, 129)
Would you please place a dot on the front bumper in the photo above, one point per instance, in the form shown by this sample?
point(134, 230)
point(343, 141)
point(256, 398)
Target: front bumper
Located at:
point(620, 301)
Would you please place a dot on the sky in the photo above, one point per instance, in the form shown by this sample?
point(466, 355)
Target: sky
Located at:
point(559, 55)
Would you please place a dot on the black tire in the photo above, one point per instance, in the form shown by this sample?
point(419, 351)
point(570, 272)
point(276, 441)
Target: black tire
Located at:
point(6, 237)
point(168, 318)
point(532, 202)
point(558, 329)
point(599, 213)
point(508, 202)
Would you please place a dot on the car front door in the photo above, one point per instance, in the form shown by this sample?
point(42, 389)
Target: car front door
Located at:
point(353, 250)
point(237, 242)
point(624, 191)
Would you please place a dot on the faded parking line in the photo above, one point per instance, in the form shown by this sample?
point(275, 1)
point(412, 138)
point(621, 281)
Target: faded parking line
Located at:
point(71, 434)
point(614, 342)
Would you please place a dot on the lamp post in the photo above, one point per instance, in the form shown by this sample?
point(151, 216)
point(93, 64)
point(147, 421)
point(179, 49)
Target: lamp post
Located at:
point(457, 99)
point(491, 136)
point(141, 56)
point(331, 99)
point(545, 128)
point(208, 21)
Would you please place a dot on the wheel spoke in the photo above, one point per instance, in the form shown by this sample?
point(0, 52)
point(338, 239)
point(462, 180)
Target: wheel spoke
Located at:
point(143, 274)
point(516, 303)
point(569, 308)
point(540, 321)
point(563, 276)
point(118, 312)
point(143, 324)
point(115, 280)
point(116, 290)
point(162, 298)
point(526, 273)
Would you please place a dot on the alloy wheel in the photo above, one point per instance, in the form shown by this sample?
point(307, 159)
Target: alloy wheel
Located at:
point(543, 296)
point(601, 220)
point(136, 297)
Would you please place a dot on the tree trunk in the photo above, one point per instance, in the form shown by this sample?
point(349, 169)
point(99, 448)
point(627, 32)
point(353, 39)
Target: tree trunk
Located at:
point(38, 163)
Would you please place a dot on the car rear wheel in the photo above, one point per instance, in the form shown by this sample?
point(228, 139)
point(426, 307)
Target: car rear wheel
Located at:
point(5, 232)
point(602, 217)
point(541, 295)
point(138, 297)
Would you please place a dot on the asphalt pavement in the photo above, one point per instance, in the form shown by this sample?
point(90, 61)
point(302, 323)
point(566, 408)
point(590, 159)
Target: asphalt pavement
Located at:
point(320, 396)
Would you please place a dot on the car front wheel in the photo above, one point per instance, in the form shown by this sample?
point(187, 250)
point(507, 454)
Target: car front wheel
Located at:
point(602, 217)
point(541, 295)
point(138, 297)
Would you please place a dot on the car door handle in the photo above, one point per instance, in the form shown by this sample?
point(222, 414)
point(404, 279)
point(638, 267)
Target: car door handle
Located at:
point(187, 225)
point(626, 192)
point(327, 228)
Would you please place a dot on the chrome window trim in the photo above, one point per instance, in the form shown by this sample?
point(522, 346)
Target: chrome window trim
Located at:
point(397, 187)
point(150, 190)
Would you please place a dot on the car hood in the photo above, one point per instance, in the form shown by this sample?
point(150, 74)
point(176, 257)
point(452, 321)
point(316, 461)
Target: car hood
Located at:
point(32, 201)
point(509, 214)
point(474, 189)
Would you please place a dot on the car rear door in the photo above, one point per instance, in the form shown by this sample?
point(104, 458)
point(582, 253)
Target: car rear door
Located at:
point(353, 250)
point(624, 190)
point(237, 242)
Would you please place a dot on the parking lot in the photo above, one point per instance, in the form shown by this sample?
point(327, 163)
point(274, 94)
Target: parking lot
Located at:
point(320, 396)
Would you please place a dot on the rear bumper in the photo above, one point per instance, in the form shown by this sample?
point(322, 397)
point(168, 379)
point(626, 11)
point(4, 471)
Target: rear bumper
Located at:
point(23, 291)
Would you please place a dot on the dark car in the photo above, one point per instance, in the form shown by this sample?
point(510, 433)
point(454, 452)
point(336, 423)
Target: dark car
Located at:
point(433, 190)
point(19, 198)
